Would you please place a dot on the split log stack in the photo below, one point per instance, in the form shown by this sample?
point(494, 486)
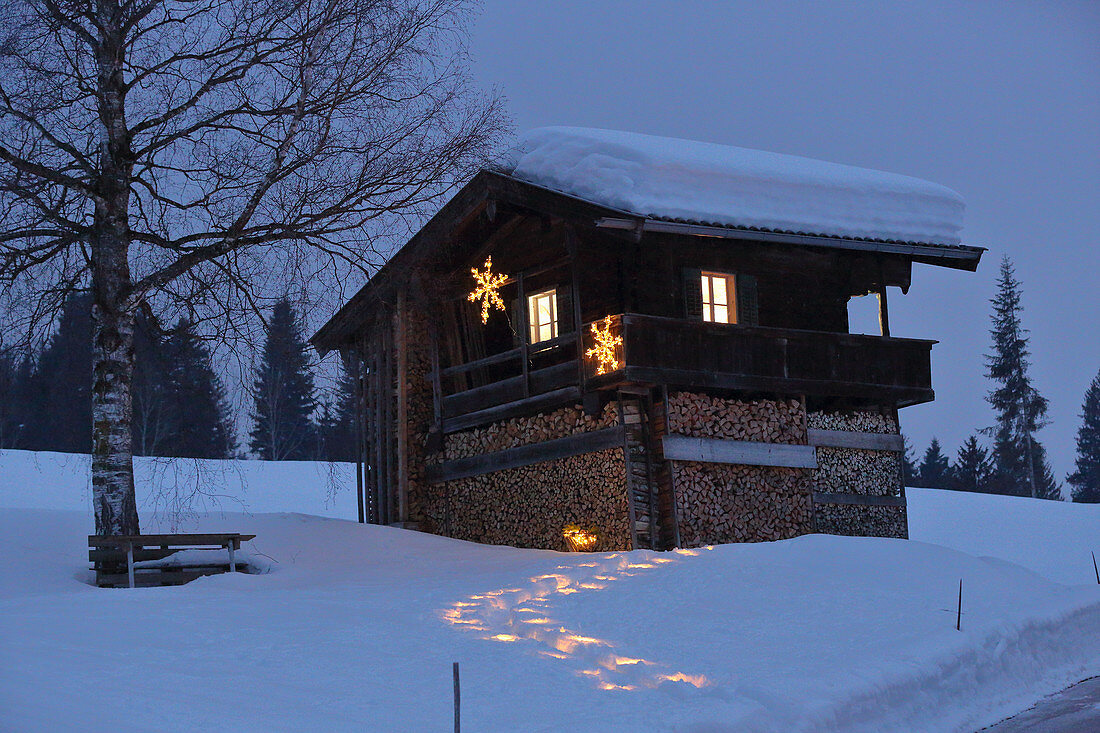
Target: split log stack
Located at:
point(718, 502)
point(863, 472)
point(530, 506)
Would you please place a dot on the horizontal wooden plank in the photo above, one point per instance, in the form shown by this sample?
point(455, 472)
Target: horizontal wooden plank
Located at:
point(118, 554)
point(504, 356)
point(512, 409)
point(821, 497)
point(689, 378)
point(526, 455)
point(153, 540)
point(849, 439)
point(740, 452)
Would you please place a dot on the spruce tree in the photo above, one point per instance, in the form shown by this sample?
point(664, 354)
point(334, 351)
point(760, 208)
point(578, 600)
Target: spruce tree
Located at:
point(283, 392)
point(972, 467)
point(935, 468)
point(1085, 480)
point(1019, 459)
point(194, 399)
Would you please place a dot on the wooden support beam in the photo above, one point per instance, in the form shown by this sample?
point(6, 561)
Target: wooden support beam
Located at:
point(821, 497)
point(864, 441)
point(739, 452)
point(525, 455)
point(402, 347)
point(513, 409)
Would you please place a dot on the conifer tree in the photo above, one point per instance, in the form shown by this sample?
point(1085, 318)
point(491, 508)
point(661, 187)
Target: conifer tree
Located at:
point(194, 399)
point(283, 392)
point(1019, 459)
point(1086, 478)
point(972, 467)
point(935, 468)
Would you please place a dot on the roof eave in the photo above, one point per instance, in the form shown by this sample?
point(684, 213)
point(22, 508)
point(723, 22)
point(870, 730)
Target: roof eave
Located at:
point(963, 257)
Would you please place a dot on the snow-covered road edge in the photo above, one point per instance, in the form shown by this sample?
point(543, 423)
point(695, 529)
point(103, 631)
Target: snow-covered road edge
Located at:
point(1010, 669)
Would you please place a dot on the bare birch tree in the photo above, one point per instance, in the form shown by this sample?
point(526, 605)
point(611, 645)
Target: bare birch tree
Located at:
point(174, 153)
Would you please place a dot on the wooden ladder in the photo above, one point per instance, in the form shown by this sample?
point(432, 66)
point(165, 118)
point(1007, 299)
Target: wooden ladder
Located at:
point(641, 484)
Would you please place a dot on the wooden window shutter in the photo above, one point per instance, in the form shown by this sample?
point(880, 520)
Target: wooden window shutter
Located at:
point(748, 307)
point(565, 309)
point(693, 293)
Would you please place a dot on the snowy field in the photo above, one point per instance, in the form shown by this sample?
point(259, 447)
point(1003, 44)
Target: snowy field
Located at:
point(355, 627)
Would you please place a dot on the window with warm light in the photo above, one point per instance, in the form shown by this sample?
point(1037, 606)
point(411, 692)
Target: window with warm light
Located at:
point(542, 313)
point(719, 297)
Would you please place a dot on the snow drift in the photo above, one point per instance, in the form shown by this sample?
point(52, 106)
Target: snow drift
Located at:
point(666, 178)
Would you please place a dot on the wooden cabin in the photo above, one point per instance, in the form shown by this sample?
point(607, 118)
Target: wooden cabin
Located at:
point(546, 366)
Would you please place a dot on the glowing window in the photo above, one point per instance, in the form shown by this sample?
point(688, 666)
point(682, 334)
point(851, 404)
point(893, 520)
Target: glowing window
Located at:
point(719, 298)
point(542, 312)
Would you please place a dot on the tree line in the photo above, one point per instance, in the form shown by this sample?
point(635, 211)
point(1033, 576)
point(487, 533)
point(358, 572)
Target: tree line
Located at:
point(1016, 463)
point(180, 405)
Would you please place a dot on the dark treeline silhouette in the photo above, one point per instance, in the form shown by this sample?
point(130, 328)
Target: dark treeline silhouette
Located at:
point(180, 407)
point(180, 403)
point(1016, 463)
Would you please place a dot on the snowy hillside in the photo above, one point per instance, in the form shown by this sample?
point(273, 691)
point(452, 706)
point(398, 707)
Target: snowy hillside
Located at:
point(355, 628)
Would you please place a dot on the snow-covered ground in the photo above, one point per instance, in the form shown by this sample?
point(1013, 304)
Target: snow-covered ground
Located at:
point(355, 627)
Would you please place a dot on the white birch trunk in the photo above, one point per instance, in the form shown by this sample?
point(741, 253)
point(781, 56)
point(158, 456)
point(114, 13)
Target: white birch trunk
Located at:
point(113, 493)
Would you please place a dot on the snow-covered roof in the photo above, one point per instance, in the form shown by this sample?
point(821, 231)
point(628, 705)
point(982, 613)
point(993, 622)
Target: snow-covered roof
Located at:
point(721, 185)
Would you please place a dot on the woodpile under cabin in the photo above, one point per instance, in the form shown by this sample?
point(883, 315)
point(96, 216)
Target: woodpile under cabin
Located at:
point(615, 341)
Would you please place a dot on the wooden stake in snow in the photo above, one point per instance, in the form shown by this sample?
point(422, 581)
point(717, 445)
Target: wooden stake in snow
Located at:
point(959, 615)
point(458, 699)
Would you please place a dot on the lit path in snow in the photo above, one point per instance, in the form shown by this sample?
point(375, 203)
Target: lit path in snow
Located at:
point(524, 615)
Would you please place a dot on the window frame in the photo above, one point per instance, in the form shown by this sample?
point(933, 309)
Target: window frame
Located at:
point(706, 281)
point(534, 325)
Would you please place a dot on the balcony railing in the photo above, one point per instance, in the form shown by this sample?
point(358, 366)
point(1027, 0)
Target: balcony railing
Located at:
point(637, 349)
point(693, 353)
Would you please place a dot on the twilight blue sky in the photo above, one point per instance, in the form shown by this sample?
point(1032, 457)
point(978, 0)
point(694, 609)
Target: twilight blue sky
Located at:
point(998, 99)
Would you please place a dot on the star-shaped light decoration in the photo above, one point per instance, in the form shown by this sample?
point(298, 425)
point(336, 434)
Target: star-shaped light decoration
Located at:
point(606, 344)
point(487, 289)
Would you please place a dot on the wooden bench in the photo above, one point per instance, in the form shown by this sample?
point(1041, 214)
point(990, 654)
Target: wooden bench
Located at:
point(130, 560)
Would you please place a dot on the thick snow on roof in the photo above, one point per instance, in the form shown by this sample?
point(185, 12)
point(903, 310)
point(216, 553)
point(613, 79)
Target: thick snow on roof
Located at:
point(685, 180)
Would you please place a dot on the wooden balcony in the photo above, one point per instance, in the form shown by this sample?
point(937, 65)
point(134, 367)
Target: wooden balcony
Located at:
point(683, 354)
point(753, 358)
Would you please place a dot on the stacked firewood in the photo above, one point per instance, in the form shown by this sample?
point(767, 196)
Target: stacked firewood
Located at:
point(767, 421)
point(526, 430)
point(734, 503)
point(857, 422)
point(727, 503)
point(532, 505)
point(858, 471)
point(861, 521)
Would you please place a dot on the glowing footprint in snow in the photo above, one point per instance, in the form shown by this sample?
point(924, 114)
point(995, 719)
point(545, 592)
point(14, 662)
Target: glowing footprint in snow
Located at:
point(510, 615)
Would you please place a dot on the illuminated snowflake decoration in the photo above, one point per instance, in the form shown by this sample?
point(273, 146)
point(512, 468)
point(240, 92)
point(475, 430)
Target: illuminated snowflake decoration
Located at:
point(487, 289)
point(606, 344)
